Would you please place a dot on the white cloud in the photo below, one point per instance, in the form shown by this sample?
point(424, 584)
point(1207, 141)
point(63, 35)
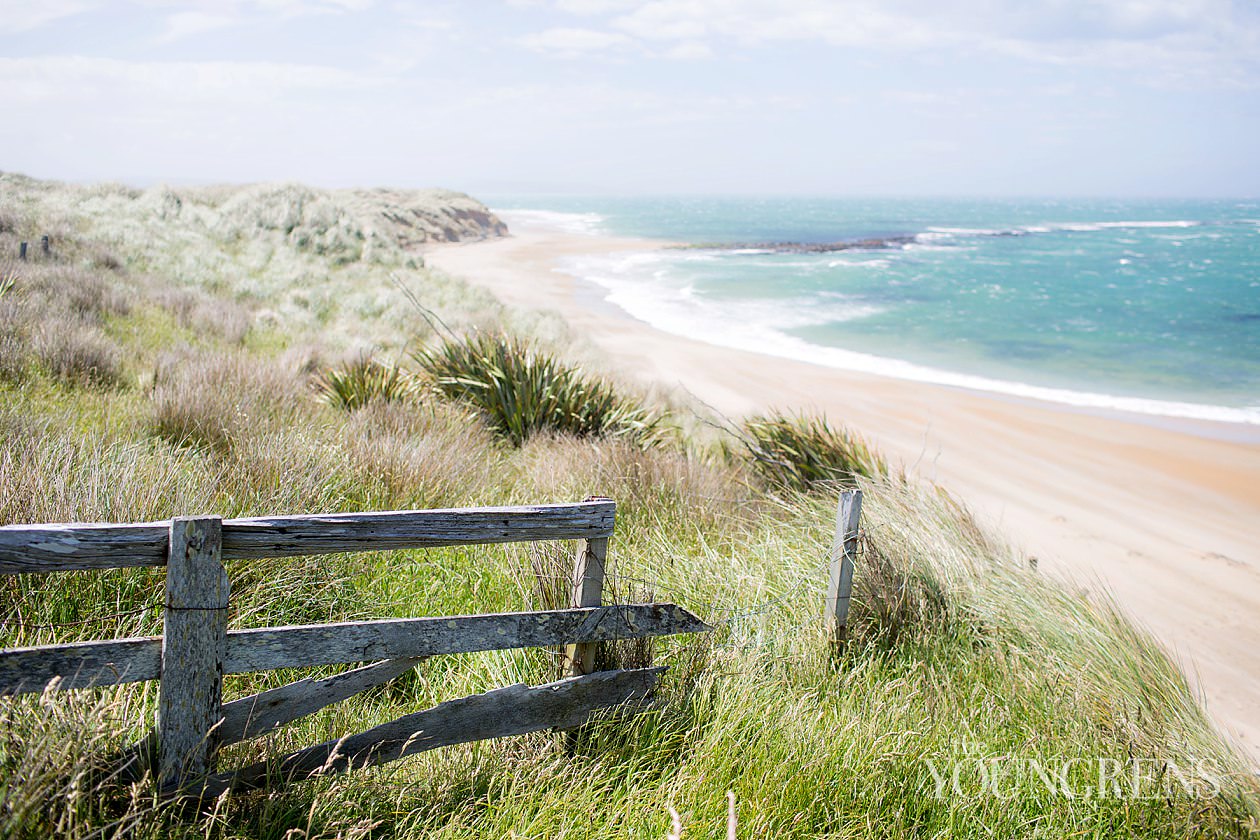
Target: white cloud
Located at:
point(244, 8)
point(183, 24)
point(60, 79)
point(296, 8)
point(25, 15)
point(689, 51)
point(595, 7)
point(575, 43)
point(1188, 39)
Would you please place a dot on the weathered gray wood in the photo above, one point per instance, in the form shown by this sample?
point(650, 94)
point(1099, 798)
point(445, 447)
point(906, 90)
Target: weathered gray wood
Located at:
point(87, 664)
point(843, 551)
point(588, 591)
point(514, 710)
point(59, 548)
point(289, 536)
point(22, 252)
point(65, 547)
point(80, 665)
point(194, 646)
point(260, 713)
point(330, 644)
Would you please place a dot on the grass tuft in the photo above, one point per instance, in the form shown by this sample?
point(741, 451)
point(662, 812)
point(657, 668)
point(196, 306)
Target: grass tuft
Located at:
point(361, 381)
point(214, 399)
point(521, 391)
point(804, 453)
point(79, 354)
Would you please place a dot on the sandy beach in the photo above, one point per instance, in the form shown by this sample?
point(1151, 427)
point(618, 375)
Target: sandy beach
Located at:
point(1164, 513)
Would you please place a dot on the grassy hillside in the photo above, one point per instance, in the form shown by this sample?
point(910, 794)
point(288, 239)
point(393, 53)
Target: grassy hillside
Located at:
point(197, 359)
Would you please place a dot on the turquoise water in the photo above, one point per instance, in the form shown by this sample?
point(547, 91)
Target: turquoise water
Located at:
point(1148, 306)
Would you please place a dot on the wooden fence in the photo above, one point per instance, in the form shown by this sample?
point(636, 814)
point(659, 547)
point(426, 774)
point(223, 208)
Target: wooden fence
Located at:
point(196, 649)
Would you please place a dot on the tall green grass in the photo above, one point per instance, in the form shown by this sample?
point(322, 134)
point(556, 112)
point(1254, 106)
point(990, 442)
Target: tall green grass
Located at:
point(957, 651)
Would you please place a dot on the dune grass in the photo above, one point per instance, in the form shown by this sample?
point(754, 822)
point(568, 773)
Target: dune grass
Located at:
point(803, 452)
point(521, 390)
point(959, 655)
point(361, 381)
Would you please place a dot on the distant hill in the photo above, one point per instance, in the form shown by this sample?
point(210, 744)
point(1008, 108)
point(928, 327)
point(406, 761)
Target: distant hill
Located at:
point(325, 263)
point(345, 225)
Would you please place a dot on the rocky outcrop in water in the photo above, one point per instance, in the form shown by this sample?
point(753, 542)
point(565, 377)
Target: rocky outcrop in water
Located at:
point(869, 244)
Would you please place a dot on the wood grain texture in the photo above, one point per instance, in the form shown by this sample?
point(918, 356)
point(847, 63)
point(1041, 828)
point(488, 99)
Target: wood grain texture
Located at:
point(88, 664)
point(364, 641)
point(843, 551)
point(588, 591)
point(194, 646)
point(60, 548)
point(260, 713)
point(80, 665)
point(66, 547)
point(514, 710)
point(290, 536)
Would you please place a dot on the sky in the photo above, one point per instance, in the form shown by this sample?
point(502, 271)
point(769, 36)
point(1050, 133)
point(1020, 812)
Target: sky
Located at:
point(784, 97)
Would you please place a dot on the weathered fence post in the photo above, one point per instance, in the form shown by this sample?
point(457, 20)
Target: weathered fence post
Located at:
point(44, 246)
point(22, 251)
point(843, 550)
point(588, 591)
point(194, 646)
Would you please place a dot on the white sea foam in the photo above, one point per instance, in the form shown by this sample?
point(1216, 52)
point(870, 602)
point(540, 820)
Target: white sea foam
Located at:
point(962, 231)
point(589, 224)
point(654, 287)
point(868, 263)
point(1089, 227)
point(673, 305)
point(945, 234)
point(929, 246)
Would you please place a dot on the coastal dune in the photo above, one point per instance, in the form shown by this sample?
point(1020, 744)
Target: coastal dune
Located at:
point(1162, 514)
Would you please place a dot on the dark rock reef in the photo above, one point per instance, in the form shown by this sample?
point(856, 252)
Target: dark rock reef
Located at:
point(869, 244)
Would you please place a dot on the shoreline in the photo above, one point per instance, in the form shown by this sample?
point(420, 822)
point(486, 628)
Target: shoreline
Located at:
point(1165, 512)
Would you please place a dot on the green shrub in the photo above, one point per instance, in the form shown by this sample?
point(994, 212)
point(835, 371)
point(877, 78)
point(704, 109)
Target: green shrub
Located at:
point(804, 452)
point(361, 381)
point(521, 390)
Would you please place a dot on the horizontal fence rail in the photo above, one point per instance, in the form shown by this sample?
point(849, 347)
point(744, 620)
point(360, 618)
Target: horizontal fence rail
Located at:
point(91, 664)
point(57, 548)
point(514, 710)
point(196, 649)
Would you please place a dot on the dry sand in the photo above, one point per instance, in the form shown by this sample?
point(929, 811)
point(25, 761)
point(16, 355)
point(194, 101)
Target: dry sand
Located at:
point(1164, 513)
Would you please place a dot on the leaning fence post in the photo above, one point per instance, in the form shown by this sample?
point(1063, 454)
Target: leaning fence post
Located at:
point(843, 550)
point(194, 645)
point(588, 591)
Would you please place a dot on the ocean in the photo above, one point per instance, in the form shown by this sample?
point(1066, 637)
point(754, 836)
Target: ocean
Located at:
point(1140, 306)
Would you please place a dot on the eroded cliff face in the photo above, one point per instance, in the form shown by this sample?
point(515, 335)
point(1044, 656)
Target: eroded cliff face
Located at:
point(416, 217)
point(357, 224)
